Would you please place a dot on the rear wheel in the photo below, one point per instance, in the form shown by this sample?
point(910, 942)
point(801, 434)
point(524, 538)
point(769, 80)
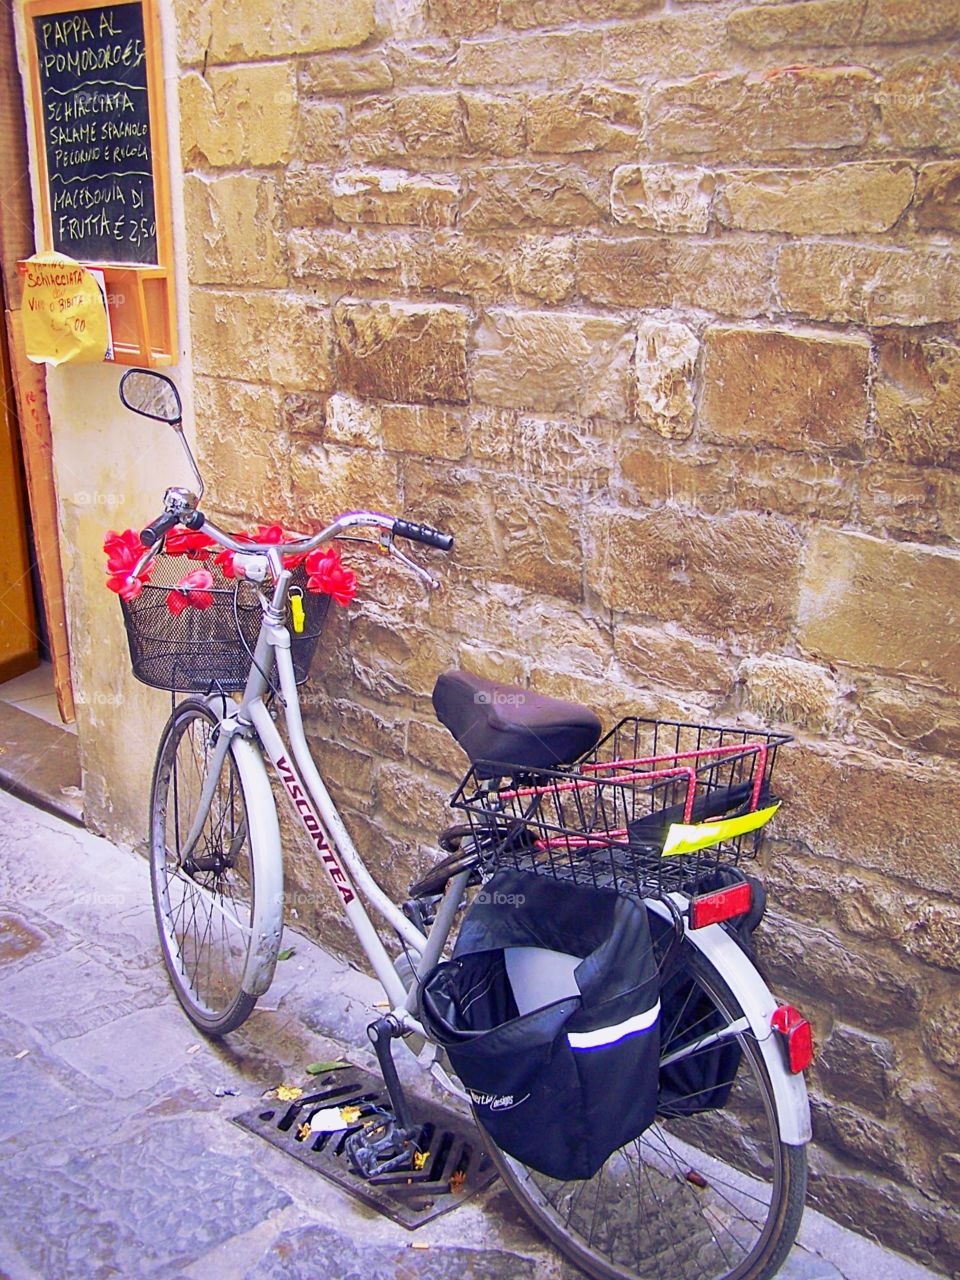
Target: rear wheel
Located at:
point(203, 900)
point(710, 1196)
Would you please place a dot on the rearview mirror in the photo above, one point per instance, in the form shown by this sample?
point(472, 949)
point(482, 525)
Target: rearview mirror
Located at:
point(152, 395)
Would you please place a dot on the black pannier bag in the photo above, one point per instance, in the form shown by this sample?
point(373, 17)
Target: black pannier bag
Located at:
point(703, 1080)
point(549, 1012)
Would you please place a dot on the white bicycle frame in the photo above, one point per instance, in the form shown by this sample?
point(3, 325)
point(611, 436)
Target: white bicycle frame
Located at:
point(354, 885)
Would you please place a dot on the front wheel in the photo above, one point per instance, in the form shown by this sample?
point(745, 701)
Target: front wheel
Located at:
point(204, 898)
point(700, 1195)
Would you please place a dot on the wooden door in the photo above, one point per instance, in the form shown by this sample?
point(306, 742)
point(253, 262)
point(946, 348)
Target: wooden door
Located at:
point(19, 642)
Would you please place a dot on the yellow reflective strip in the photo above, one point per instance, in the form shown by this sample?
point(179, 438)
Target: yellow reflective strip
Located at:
point(700, 835)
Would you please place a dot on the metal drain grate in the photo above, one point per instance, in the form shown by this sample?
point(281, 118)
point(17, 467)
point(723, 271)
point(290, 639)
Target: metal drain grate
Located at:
point(455, 1156)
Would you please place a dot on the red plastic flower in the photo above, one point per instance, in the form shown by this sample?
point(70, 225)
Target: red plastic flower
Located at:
point(328, 576)
point(187, 542)
point(123, 551)
point(193, 590)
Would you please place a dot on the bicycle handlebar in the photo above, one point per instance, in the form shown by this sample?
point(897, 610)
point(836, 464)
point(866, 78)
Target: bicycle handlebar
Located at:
point(422, 533)
point(157, 528)
point(393, 526)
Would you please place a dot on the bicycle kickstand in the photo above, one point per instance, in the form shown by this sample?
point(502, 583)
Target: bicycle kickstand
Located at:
point(391, 1143)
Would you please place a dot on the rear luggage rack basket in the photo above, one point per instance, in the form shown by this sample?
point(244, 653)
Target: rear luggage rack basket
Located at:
point(606, 820)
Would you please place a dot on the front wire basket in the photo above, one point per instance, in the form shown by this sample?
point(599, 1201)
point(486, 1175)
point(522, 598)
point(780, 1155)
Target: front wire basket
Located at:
point(203, 649)
point(604, 821)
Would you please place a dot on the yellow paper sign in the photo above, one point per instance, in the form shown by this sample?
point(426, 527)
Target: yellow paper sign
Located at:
point(64, 313)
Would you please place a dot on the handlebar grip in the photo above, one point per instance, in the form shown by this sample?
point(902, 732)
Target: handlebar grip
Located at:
point(422, 533)
point(157, 528)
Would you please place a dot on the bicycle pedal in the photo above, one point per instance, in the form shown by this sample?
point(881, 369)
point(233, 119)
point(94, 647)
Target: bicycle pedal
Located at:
point(382, 1148)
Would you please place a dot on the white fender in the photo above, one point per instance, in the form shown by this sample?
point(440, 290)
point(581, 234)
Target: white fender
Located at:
point(759, 1006)
point(267, 854)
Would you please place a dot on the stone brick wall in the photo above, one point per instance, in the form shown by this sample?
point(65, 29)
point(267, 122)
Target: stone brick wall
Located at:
point(654, 305)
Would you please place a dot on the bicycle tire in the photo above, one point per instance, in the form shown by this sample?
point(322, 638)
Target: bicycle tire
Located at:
point(729, 1215)
point(204, 914)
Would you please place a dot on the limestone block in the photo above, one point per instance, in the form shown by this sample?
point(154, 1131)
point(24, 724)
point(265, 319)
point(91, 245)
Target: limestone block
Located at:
point(924, 927)
point(427, 430)
point(838, 282)
point(665, 367)
point(261, 337)
point(661, 197)
point(494, 125)
point(790, 388)
point(455, 18)
point(920, 102)
point(827, 23)
point(552, 58)
point(918, 400)
point(395, 196)
point(402, 350)
point(880, 994)
point(886, 605)
point(730, 573)
point(234, 231)
point(352, 422)
point(528, 529)
point(668, 656)
point(817, 22)
point(567, 450)
point(937, 203)
point(858, 1066)
point(552, 361)
point(900, 21)
point(409, 801)
point(238, 116)
point(525, 195)
point(414, 125)
point(546, 13)
point(758, 115)
point(321, 132)
point(194, 21)
point(462, 265)
point(326, 257)
point(242, 443)
point(728, 277)
point(425, 63)
point(783, 691)
point(846, 198)
point(246, 29)
point(908, 714)
point(307, 196)
point(325, 480)
point(332, 74)
point(881, 816)
point(864, 1141)
point(665, 47)
point(588, 119)
point(543, 267)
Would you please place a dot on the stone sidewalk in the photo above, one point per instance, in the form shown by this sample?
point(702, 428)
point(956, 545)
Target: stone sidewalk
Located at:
point(118, 1157)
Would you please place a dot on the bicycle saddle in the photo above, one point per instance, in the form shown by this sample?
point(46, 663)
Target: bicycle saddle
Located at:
point(504, 724)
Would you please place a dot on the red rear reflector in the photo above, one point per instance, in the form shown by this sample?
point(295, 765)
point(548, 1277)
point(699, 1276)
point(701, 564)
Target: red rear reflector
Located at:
point(797, 1037)
point(722, 905)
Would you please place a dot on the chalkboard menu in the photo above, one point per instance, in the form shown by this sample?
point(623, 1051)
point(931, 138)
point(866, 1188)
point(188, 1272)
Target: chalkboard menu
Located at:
point(92, 66)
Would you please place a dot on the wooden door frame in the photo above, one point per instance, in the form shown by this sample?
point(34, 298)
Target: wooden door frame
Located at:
point(16, 243)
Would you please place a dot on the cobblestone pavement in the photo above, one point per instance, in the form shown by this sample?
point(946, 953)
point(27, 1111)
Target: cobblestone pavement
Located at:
point(117, 1158)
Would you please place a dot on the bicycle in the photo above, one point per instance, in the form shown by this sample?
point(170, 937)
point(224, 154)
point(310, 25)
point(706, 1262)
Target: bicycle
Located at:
point(714, 1188)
